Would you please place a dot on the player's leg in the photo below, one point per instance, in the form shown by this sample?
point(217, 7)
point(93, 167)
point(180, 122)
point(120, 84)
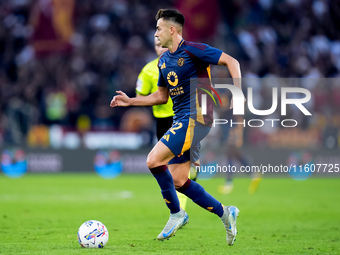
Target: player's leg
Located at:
point(171, 144)
point(186, 132)
point(157, 161)
point(178, 139)
point(162, 126)
point(180, 173)
point(228, 214)
point(228, 187)
point(255, 177)
point(226, 144)
point(197, 193)
point(183, 199)
point(180, 168)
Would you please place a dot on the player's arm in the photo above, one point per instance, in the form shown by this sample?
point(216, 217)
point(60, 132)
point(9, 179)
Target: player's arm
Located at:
point(233, 66)
point(215, 56)
point(161, 96)
point(234, 70)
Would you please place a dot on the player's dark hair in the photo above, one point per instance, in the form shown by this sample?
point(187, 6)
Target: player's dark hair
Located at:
point(171, 14)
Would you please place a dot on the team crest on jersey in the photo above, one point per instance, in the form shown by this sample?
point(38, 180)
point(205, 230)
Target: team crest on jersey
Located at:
point(180, 62)
point(172, 78)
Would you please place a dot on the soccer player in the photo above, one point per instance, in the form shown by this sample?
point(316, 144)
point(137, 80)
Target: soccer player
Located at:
point(163, 113)
point(180, 144)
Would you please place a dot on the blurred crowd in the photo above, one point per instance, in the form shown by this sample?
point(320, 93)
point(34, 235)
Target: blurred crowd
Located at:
point(61, 61)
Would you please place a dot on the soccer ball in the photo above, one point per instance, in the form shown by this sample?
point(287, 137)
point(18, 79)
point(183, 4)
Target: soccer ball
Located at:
point(93, 234)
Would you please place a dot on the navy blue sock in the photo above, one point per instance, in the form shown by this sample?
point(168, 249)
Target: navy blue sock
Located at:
point(166, 183)
point(197, 193)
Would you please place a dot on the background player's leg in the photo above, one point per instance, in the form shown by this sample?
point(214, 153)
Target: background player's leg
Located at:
point(182, 200)
point(229, 185)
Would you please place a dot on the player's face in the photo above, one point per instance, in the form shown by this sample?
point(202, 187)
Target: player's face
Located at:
point(158, 48)
point(163, 33)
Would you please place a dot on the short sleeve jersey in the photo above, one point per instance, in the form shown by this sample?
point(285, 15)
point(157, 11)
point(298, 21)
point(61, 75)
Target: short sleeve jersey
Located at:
point(178, 71)
point(147, 84)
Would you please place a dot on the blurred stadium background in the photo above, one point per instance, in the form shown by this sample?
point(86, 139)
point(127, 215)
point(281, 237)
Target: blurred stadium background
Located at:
point(62, 61)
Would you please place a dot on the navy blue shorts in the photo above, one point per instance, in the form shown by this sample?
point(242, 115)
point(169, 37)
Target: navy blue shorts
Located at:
point(183, 139)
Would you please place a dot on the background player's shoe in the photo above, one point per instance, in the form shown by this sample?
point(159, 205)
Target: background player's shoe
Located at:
point(229, 220)
point(227, 188)
point(176, 221)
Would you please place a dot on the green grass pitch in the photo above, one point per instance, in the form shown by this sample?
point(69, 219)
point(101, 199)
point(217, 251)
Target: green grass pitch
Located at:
point(41, 214)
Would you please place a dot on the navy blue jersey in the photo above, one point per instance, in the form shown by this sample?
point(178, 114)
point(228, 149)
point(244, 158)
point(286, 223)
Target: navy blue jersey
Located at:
point(190, 60)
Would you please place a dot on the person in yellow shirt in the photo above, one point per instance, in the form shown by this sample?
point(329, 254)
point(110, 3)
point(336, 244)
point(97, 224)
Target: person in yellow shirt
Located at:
point(146, 85)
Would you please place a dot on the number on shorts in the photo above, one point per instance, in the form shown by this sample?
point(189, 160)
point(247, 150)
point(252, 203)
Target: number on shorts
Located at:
point(172, 130)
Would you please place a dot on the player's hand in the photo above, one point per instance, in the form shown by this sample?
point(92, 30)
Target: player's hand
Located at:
point(120, 100)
